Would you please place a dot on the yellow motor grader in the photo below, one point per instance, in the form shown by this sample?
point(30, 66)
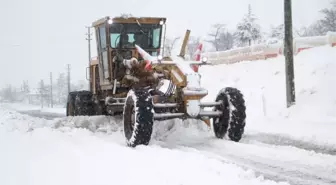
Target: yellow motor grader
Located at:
point(125, 79)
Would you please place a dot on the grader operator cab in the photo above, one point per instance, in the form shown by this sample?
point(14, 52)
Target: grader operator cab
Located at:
point(110, 74)
point(125, 78)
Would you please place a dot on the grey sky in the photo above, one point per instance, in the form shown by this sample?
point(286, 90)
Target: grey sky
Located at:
point(42, 36)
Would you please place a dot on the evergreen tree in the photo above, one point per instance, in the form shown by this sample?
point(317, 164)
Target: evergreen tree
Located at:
point(248, 30)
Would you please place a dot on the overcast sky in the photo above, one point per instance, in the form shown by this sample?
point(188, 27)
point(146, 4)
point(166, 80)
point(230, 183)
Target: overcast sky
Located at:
point(42, 36)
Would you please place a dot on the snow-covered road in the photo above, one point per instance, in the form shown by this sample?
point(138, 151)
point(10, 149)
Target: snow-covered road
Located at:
point(280, 146)
point(180, 153)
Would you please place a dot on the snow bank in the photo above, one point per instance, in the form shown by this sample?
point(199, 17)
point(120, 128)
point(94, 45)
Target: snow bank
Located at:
point(13, 121)
point(270, 49)
point(313, 118)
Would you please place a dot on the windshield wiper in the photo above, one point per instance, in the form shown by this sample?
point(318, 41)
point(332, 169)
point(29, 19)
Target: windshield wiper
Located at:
point(140, 26)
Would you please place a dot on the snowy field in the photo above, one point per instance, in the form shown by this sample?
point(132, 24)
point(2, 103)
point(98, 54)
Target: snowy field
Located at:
point(280, 146)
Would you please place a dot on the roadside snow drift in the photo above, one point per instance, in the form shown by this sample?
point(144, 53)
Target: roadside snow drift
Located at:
point(312, 119)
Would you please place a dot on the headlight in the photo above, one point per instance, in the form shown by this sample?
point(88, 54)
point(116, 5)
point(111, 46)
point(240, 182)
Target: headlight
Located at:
point(110, 21)
point(204, 59)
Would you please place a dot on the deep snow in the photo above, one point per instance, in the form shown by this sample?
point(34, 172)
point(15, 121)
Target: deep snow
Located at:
point(297, 144)
point(312, 119)
point(33, 154)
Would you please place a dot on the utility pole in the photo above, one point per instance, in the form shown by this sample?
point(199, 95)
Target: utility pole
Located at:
point(68, 78)
point(51, 91)
point(42, 91)
point(288, 47)
point(89, 34)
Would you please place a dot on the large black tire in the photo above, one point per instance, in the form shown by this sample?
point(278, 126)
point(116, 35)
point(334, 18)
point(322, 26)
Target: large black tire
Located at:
point(80, 103)
point(138, 117)
point(84, 105)
point(234, 114)
point(70, 106)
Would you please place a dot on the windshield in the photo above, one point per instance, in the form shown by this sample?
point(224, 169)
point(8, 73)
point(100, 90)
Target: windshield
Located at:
point(146, 36)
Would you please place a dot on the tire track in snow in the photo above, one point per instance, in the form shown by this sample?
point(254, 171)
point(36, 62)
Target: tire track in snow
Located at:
point(263, 162)
point(279, 173)
point(40, 114)
point(275, 159)
point(281, 140)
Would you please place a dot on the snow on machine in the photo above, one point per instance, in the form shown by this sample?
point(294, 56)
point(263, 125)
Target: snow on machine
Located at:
point(125, 79)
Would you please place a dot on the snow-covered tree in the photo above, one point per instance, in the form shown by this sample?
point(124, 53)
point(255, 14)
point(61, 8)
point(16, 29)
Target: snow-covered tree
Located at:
point(316, 29)
point(328, 23)
point(221, 38)
point(248, 30)
point(215, 35)
point(278, 32)
point(44, 93)
point(61, 89)
point(226, 41)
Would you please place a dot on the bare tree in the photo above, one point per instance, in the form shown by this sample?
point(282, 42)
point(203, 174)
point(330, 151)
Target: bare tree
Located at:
point(316, 29)
point(215, 34)
point(169, 45)
point(226, 41)
point(328, 23)
point(192, 46)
